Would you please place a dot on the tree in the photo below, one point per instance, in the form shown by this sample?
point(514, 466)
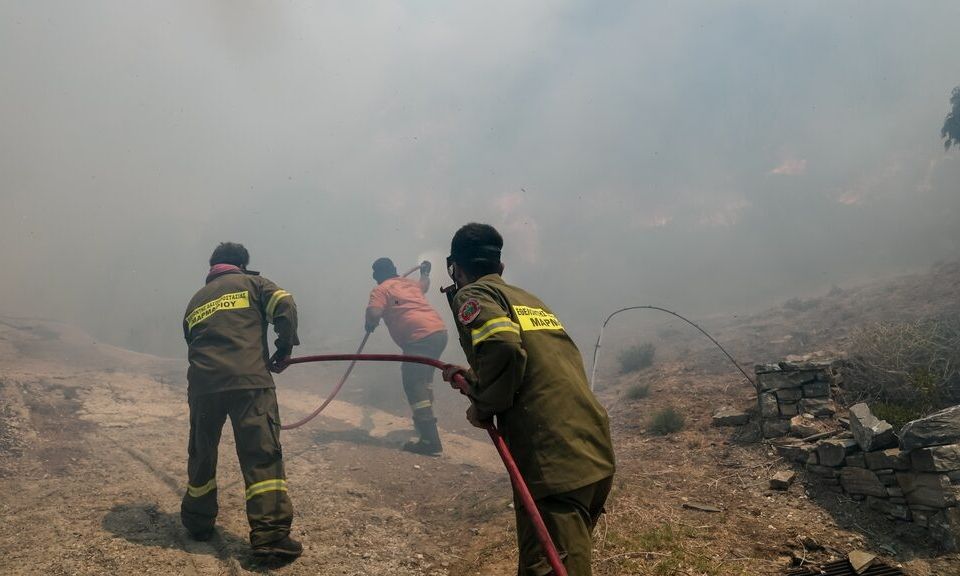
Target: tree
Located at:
point(951, 124)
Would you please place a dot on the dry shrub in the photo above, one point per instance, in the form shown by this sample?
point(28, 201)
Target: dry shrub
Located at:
point(636, 357)
point(667, 421)
point(911, 367)
point(638, 391)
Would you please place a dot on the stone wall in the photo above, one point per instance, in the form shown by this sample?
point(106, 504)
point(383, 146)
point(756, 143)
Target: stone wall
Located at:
point(913, 479)
point(790, 389)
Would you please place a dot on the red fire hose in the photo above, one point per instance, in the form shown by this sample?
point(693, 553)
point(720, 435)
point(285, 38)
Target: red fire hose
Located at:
point(343, 379)
point(460, 383)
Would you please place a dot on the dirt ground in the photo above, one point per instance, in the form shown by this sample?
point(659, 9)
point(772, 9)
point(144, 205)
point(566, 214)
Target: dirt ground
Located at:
point(93, 454)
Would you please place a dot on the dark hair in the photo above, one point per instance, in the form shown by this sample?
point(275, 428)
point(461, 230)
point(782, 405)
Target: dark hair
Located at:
point(384, 268)
point(476, 249)
point(230, 253)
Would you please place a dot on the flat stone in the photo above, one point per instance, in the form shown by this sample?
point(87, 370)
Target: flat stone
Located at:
point(775, 427)
point(862, 481)
point(936, 458)
point(892, 509)
point(946, 526)
point(937, 429)
point(860, 561)
point(871, 432)
point(856, 460)
point(730, 417)
point(804, 365)
point(954, 476)
point(701, 507)
point(891, 458)
point(888, 477)
point(894, 492)
point(788, 409)
point(816, 389)
point(814, 458)
point(783, 480)
point(795, 451)
point(802, 427)
point(789, 395)
point(784, 379)
point(765, 368)
point(824, 471)
point(834, 451)
point(921, 518)
point(819, 407)
point(923, 489)
point(769, 407)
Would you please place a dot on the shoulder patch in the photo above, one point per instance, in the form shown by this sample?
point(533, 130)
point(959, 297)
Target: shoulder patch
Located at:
point(468, 311)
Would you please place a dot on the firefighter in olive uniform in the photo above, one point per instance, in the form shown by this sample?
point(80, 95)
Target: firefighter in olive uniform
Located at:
point(225, 326)
point(419, 331)
point(526, 371)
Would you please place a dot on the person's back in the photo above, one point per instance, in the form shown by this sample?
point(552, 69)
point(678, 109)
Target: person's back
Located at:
point(226, 331)
point(527, 372)
point(557, 429)
point(419, 331)
point(225, 326)
point(406, 312)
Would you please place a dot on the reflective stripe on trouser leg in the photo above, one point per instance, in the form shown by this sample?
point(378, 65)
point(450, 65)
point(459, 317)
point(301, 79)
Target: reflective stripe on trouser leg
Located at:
point(417, 378)
point(256, 428)
point(198, 510)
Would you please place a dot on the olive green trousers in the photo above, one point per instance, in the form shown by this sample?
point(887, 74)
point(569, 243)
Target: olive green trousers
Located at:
point(570, 518)
point(256, 430)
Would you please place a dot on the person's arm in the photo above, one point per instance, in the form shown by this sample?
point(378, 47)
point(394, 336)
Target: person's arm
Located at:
point(425, 276)
point(500, 369)
point(375, 307)
point(280, 310)
point(372, 318)
point(499, 360)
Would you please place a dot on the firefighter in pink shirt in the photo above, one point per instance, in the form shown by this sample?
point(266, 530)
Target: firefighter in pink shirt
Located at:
point(419, 331)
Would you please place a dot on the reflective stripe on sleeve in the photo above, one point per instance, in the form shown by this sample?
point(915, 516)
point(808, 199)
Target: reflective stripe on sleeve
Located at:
point(494, 326)
point(198, 491)
point(274, 485)
point(421, 405)
point(274, 300)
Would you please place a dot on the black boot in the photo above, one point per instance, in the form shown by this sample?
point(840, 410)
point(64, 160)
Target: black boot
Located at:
point(286, 548)
point(429, 441)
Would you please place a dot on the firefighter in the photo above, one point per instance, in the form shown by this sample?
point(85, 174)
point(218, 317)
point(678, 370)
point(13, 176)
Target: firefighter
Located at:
point(229, 375)
point(419, 331)
point(526, 371)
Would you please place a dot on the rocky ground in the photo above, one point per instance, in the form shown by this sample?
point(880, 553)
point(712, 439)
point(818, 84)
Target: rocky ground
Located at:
point(92, 458)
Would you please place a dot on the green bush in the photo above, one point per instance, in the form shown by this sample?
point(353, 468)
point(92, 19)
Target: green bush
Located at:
point(897, 414)
point(667, 421)
point(638, 391)
point(636, 357)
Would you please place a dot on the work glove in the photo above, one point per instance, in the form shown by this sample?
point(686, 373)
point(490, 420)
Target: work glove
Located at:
point(279, 358)
point(474, 418)
point(451, 370)
point(425, 268)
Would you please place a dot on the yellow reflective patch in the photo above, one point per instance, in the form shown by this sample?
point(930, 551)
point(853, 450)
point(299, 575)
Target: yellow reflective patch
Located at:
point(198, 491)
point(494, 326)
point(421, 405)
point(232, 301)
point(274, 300)
point(536, 319)
point(275, 485)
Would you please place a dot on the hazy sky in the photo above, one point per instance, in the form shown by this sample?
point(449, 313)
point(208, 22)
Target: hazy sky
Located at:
point(709, 156)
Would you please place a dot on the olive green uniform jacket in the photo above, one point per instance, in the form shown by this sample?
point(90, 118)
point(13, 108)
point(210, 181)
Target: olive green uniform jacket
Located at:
point(226, 329)
point(530, 376)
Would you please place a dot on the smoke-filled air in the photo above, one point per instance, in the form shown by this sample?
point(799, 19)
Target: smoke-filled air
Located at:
point(783, 178)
